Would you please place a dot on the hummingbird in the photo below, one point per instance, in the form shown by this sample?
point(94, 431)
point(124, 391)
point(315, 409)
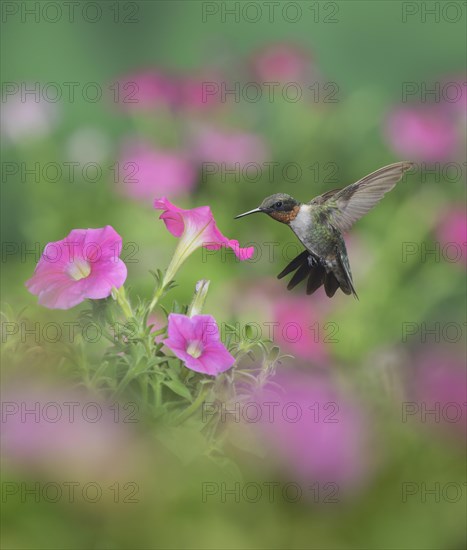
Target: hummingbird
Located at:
point(320, 224)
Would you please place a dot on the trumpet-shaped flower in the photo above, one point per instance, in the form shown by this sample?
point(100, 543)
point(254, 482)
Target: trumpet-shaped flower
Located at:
point(195, 228)
point(196, 341)
point(85, 264)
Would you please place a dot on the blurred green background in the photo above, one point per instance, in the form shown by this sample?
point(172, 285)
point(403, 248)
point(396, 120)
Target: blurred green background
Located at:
point(366, 51)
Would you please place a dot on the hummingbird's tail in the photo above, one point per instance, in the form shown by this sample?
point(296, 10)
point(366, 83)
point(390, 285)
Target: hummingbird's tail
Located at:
point(308, 265)
point(344, 275)
point(305, 265)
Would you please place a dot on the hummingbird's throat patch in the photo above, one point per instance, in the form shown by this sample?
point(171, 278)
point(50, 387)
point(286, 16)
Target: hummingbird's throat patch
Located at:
point(285, 216)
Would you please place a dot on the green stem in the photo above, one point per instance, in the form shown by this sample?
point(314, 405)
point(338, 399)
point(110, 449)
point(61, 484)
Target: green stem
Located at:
point(147, 347)
point(193, 407)
point(156, 297)
point(157, 393)
point(124, 383)
point(123, 302)
point(98, 372)
point(143, 381)
point(169, 275)
point(186, 245)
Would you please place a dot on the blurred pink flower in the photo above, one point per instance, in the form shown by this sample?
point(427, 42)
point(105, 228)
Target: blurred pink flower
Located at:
point(258, 297)
point(421, 133)
point(301, 330)
point(157, 324)
point(145, 89)
point(196, 341)
point(27, 117)
point(316, 432)
point(59, 431)
point(201, 91)
point(454, 94)
point(217, 146)
point(85, 264)
point(452, 230)
point(146, 172)
point(282, 62)
point(440, 385)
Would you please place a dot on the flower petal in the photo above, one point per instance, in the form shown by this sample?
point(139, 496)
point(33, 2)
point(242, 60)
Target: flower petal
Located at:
point(216, 359)
point(102, 244)
point(180, 331)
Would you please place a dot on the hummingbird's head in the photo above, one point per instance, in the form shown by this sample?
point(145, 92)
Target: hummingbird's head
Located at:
point(280, 206)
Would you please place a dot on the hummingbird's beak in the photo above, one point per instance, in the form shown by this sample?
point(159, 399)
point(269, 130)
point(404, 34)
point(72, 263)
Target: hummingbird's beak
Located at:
point(249, 212)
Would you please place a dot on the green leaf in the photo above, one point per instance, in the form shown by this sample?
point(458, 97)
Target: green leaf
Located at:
point(165, 311)
point(179, 388)
point(249, 332)
point(156, 274)
point(177, 307)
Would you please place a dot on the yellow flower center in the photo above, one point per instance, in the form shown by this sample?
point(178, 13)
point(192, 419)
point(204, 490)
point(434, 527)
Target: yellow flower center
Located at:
point(195, 349)
point(79, 269)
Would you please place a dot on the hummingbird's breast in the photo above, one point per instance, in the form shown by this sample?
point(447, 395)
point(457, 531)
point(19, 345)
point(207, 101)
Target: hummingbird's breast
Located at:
point(302, 224)
point(311, 228)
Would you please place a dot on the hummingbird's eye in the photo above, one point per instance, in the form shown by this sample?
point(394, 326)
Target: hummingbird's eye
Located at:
point(278, 204)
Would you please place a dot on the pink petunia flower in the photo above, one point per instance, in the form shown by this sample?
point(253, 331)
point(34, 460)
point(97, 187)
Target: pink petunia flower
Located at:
point(425, 134)
point(452, 232)
point(146, 172)
point(85, 264)
point(195, 228)
point(196, 341)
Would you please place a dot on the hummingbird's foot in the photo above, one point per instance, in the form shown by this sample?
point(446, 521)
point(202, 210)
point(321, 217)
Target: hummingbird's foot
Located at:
point(312, 261)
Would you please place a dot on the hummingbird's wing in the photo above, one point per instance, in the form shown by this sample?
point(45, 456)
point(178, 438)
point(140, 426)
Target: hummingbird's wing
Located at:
point(345, 206)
